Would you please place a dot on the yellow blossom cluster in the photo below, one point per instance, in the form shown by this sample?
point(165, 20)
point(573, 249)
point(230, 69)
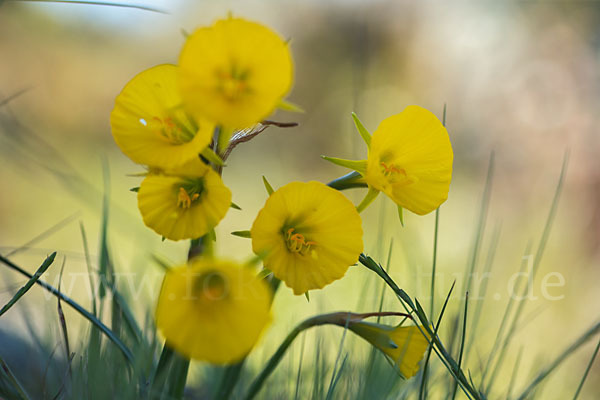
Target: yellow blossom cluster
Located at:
point(177, 120)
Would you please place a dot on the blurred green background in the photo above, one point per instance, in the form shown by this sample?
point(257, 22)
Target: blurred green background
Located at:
point(520, 79)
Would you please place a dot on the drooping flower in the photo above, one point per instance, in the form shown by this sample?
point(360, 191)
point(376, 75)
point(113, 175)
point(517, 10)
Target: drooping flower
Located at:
point(235, 72)
point(213, 310)
point(185, 202)
point(309, 235)
point(150, 124)
point(410, 160)
point(404, 345)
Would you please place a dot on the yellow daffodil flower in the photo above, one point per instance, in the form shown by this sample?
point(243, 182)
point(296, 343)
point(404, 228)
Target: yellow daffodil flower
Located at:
point(309, 235)
point(213, 310)
point(149, 122)
point(410, 160)
point(235, 72)
point(183, 203)
point(404, 345)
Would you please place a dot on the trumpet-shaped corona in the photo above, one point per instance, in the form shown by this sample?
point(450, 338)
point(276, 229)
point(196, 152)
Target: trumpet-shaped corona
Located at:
point(309, 235)
point(183, 203)
point(235, 72)
point(213, 310)
point(149, 122)
point(404, 345)
point(410, 160)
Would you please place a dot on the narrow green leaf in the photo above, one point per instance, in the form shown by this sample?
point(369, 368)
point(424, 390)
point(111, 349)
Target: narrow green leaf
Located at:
point(45, 265)
point(587, 371)
point(212, 157)
point(12, 380)
point(95, 321)
point(307, 296)
point(135, 189)
point(235, 206)
point(268, 186)
point(289, 106)
point(364, 133)
point(357, 165)
point(371, 195)
point(99, 3)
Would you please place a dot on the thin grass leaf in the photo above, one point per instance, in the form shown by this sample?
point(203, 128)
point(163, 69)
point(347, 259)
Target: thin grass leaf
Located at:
point(491, 254)
point(97, 3)
point(423, 387)
point(104, 259)
point(513, 377)
point(86, 314)
point(12, 380)
point(48, 232)
point(337, 360)
point(33, 279)
point(299, 374)
point(337, 376)
point(61, 319)
point(15, 95)
point(462, 343)
point(587, 371)
point(481, 222)
point(88, 262)
point(434, 260)
point(504, 323)
point(536, 261)
point(543, 374)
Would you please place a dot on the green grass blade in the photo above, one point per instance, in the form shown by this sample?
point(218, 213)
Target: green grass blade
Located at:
point(423, 387)
point(15, 95)
point(88, 263)
point(587, 371)
point(462, 343)
point(54, 228)
point(594, 330)
point(481, 222)
point(98, 3)
point(12, 380)
point(333, 382)
point(86, 314)
point(33, 279)
point(299, 374)
point(513, 377)
point(434, 261)
point(489, 262)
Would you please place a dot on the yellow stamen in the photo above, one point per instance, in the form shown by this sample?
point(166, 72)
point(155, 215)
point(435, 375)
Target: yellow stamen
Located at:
point(184, 200)
point(296, 243)
point(392, 169)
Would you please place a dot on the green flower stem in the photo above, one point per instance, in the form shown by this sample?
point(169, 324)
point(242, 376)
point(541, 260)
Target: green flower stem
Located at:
point(172, 365)
point(348, 181)
point(338, 318)
point(86, 314)
point(232, 373)
point(415, 307)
